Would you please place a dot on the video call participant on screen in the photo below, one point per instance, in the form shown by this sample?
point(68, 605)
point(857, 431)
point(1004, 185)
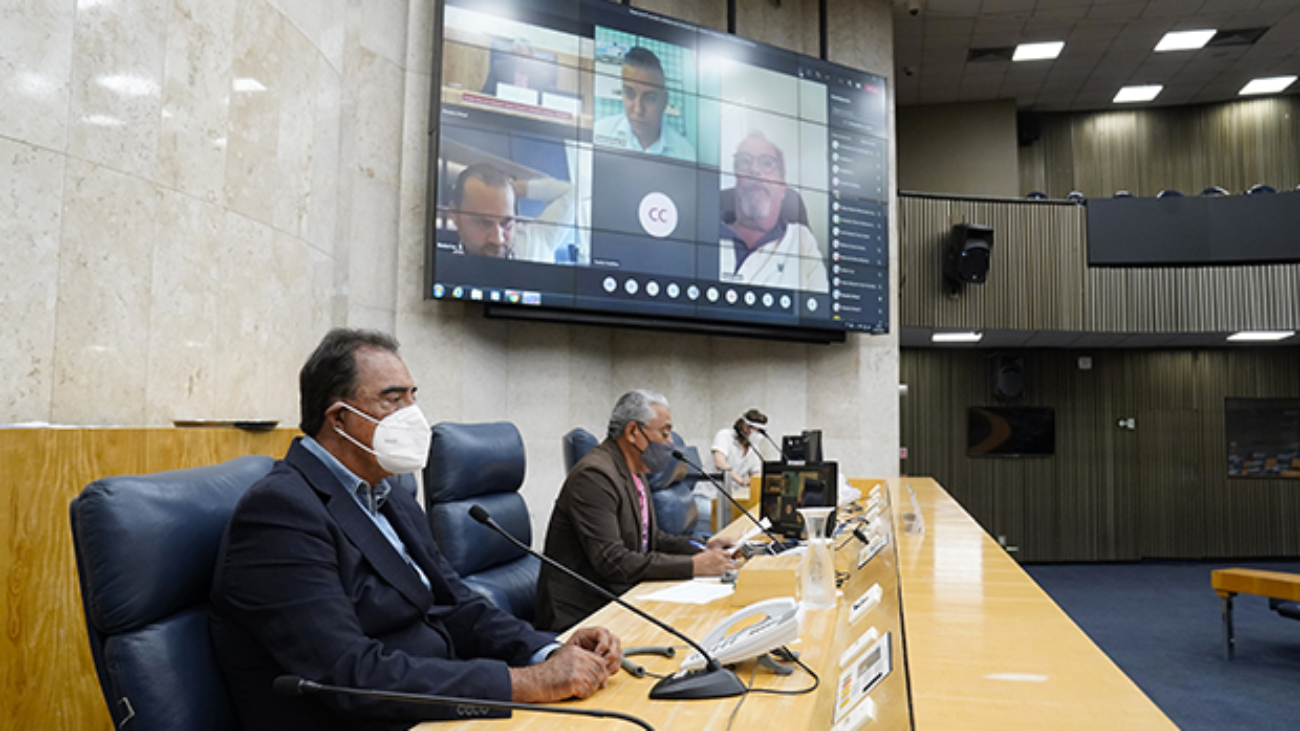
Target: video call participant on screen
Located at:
point(641, 127)
point(328, 570)
point(484, 210)
point(603, 524)
point(763, 241)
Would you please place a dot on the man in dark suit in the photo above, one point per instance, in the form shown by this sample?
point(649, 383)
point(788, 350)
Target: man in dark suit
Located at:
point(329, 571)
point(603, 525)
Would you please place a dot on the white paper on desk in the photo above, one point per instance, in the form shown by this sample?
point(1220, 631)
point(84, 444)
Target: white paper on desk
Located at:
point(692, 592)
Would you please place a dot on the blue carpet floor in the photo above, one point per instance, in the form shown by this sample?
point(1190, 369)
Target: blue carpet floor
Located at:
point(1160, 622)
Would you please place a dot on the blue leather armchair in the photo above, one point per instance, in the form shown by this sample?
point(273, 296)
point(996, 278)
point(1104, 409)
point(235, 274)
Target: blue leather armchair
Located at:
point(145, 548)
point(482, 464)
point(671, 488)
point(577, 443)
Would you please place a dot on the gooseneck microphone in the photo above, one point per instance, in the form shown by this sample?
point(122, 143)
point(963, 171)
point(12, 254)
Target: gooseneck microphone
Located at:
point(725, 493)
point(772, 441)
point(294, 685)
point(713, 681)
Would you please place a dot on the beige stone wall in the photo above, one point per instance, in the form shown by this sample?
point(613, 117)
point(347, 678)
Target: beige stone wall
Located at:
point(192, 193)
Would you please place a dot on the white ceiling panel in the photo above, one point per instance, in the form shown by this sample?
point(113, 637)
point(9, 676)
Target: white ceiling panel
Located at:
point(1109, 43)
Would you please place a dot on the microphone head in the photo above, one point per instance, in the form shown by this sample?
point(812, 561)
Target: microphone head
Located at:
point(290, 685)
point(478, 513)
point(677, 455)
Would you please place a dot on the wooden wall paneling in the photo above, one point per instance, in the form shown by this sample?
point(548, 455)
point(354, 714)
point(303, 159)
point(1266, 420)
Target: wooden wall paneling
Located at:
point(47, 677)
point(1110, 493)
point(1234, 145)
point(1040, 257)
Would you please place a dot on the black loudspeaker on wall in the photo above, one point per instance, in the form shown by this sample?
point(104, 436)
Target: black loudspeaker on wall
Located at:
point(966, 260)
point(1008, 377)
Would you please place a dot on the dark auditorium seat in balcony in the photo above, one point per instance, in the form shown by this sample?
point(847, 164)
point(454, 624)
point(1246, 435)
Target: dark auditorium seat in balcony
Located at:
point(1169, 193)
point(1259, 188)
point(1215, 191)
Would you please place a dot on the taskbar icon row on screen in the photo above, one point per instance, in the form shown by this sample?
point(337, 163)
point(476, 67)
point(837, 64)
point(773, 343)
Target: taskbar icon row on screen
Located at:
point(486, 294)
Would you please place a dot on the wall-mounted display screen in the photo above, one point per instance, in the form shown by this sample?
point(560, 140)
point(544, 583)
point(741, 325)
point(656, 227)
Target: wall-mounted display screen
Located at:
point(996, 431)
point(1263, 437)
point(593, 157)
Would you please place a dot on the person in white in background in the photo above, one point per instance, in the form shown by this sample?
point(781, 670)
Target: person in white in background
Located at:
point(735, 455)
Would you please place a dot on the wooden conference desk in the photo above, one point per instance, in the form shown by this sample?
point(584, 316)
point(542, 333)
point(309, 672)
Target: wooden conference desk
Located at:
point(986, 648)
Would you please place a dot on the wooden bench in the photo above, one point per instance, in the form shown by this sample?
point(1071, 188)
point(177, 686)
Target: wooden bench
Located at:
point(1231, 582)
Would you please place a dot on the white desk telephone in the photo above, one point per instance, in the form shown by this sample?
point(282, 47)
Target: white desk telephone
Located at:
point(779, 626)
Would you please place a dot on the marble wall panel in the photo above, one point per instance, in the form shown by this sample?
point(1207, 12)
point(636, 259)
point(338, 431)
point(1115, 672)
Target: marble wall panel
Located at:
point(306, 16)
point(432, 336)
point(36, 41)
point(196, 98)
point(708, 13)
point(295, 149)
point(116, 81)
point(256, 96)
point(537, 388)
point(250, 304)
point(377, 86)
point(384, 26)
point(862, 35)
point(323, 191)
point(373, 241)
point(333, 27)
point(31, 195)
point(790, 24)
point(105, 274)
point(485, 367)
point(591, 379)
point(185, 304)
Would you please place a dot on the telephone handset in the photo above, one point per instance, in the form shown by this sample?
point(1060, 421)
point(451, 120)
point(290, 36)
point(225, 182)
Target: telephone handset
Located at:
point(779, 626)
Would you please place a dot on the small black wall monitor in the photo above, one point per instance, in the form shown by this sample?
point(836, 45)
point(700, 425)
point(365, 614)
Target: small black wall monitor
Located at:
point(595, 162)
point(994, 431)
point(1263, 437)
point(804, 447)
point(788, 487)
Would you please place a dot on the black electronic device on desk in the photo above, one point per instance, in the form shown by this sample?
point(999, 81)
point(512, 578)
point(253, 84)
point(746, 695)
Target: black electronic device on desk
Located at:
point(802, 448)
point(788, 486)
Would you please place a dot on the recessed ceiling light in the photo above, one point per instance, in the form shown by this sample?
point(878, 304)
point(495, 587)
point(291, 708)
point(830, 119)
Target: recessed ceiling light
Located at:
point(1260, 336)
point(967, 337)
point(1144, 93)
point(1184, 40)
point(1270, 85)
point(1038, 51)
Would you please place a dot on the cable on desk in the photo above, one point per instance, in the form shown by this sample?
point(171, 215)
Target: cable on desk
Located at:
point(816, 680)
point(749, 688)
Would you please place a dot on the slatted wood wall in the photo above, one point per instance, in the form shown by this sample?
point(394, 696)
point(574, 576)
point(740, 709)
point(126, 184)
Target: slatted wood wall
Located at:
point(1234, 145)
point(1039, 278)
point(1110, 494)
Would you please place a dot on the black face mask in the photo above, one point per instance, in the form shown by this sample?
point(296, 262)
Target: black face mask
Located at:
point(656, 455)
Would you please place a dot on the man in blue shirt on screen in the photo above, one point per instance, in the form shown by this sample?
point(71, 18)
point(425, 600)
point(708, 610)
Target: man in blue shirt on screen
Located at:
point(641, 127)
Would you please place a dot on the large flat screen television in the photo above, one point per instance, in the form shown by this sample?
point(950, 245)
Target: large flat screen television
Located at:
point(999, 431)
point(592, 161)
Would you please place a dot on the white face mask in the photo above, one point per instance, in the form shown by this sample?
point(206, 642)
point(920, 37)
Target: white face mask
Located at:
point(401, 439)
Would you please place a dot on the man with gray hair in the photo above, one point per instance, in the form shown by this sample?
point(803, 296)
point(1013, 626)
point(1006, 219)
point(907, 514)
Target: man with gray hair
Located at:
point(603, 525)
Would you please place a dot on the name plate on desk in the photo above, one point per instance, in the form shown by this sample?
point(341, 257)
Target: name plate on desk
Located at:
point(861, 676)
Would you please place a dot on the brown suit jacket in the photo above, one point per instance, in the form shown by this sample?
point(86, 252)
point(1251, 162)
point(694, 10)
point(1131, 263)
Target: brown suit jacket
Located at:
point(595, 530)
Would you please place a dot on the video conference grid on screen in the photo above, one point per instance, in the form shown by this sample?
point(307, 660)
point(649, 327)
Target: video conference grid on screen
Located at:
point(592, 156)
